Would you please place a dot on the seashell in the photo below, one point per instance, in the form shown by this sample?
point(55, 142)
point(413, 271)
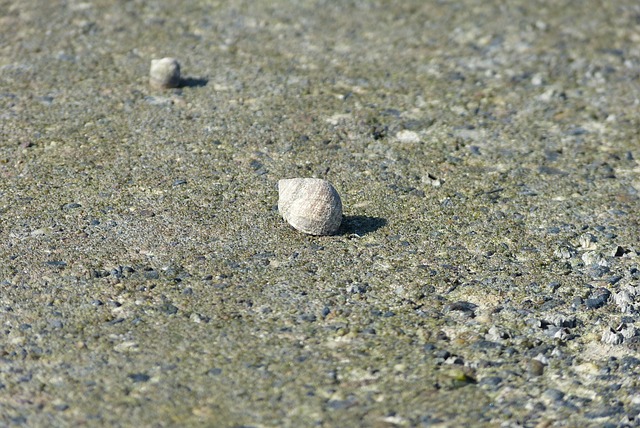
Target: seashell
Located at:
point(310, 205)
point(164, 73)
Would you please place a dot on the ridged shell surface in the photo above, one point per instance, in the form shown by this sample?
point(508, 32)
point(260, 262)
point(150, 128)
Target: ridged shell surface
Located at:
point(310, 205)
point(164, 73)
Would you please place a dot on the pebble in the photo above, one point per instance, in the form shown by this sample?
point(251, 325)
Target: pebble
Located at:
point(536, 367)
point(164, 73)
point(553, 394)
point(598, 299)
point(491, 381)
point(139, 377)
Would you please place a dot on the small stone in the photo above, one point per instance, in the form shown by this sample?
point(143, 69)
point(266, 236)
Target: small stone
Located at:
point(168, 308)
point(214, 371)
point(164, 73)
point(553, 395)
point(536, 368)
point(491, 381)
point(619, 251)
point(598, 299)
point(139, 377)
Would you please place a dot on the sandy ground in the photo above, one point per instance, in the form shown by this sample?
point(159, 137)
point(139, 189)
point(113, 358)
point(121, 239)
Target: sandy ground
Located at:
point(486, 270)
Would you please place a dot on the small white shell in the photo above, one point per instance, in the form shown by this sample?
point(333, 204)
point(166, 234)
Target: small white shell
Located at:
point(311, 205)
point(164, 73)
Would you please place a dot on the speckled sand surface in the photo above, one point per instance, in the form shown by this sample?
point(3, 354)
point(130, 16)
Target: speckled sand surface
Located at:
point(486, 272)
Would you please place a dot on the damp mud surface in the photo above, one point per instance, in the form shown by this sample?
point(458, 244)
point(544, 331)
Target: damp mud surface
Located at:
point(486, 269)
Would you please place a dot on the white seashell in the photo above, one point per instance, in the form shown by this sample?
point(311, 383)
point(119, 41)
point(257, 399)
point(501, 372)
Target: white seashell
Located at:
point(164, 73)
point(311, 205)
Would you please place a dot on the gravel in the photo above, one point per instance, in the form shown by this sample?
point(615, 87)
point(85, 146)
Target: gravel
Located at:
point(486, 269)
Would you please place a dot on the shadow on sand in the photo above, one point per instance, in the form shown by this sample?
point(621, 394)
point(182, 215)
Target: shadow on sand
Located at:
point(192, 82)
point(360, 224)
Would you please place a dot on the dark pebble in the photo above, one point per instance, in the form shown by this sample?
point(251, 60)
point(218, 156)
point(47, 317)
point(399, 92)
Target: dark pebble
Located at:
point(554, 394)
point(577, 131)
point(168, 308)
point(620, 252)
point(358, 288)
point(214, 371)
point(547, 170)
point(339, 404)
point(598, 271)
point(576, 302)
point(99, 273)
point(598, 298)
point(442, 353)
point(606, 412)
point(510, 352)
point(71, 206)
point(429, 420)
point(486, 344)
point(630, 364)
point(551, 303)
point(19, 420)
point(491, 381)
point(461, 306)
point(255, 165)
point(57, 263)
point(139, 377)
point(614, 279)
point(308, 317)
point(554, 286)
point(151, 274)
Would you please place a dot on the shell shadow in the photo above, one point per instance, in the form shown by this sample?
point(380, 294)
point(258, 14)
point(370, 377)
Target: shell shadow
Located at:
point(192, 82)
point(360, 224)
